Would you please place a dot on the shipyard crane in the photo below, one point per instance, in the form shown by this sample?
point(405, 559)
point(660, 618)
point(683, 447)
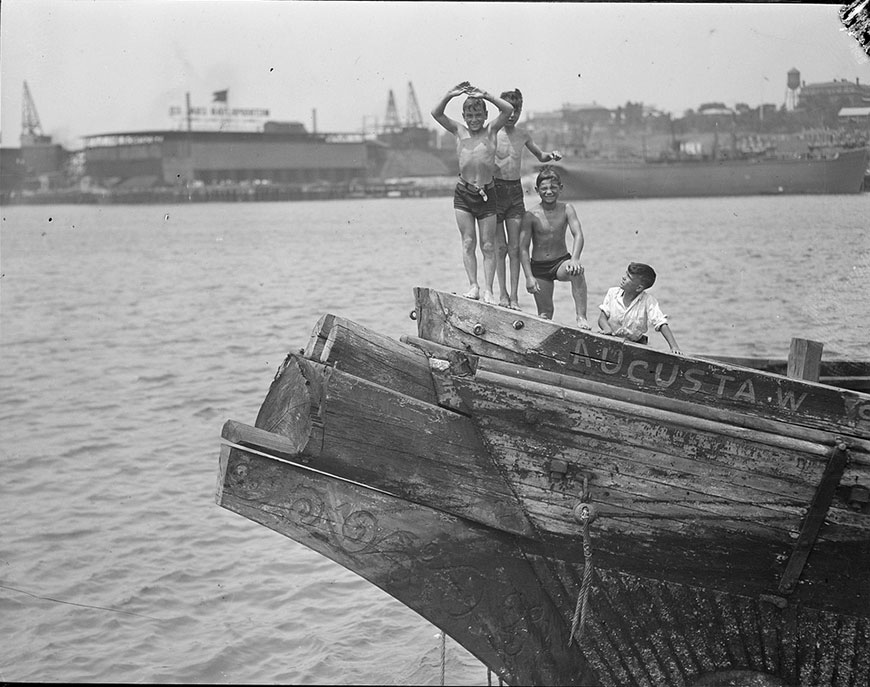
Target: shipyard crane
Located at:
point(31, 128)
point(414, 119)
point(392, 123)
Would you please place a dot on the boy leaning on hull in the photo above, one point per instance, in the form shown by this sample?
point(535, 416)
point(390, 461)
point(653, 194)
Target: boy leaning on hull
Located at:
point(629, 310)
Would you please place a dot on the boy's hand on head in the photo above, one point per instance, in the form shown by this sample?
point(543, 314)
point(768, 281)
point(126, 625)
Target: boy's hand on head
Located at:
point(556, 155)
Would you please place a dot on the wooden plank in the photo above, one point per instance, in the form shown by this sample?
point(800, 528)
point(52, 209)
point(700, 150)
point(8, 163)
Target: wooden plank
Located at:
point(368, 355)
point(814, 519)
point(489, 331)
point(370, 434)
point(558, 380)
point(804, 359)
point(469, 580)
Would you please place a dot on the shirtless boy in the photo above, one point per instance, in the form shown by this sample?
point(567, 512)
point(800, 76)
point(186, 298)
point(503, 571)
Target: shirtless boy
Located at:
point(474, 197)
point(510, 142)
point(544, 228)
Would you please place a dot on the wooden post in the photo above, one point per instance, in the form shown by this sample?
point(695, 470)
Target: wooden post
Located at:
point(804, 359)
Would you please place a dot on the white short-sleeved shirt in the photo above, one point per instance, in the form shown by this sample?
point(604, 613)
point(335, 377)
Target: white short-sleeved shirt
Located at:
point(634, 321)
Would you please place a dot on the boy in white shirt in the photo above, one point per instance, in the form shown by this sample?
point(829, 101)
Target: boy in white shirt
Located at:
point(628, 310)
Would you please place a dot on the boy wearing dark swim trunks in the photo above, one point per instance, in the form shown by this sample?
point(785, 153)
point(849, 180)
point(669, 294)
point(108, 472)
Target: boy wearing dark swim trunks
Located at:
point(543, 230)
point(474, 196)
point(510, 143)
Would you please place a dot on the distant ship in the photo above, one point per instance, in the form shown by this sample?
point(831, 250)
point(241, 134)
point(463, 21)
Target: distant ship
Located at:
point(586, 179)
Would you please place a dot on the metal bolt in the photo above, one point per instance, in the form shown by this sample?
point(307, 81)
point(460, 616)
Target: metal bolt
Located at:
point(413, 314)
point(585, 512)
point(479, 329)
point(519, 324)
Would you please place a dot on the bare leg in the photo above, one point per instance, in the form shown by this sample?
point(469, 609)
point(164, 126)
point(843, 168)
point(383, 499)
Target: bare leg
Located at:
point(578, 290)
point(512, 224)
point(465, 222)
point(544, 299)
point(501, 250)
point(486, 226)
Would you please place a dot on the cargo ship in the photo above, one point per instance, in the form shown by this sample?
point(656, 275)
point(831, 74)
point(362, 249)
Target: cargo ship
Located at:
point(588, 179)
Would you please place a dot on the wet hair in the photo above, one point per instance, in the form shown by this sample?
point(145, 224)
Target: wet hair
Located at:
point(514, 97)
point(472, 103)
point(645, 274)
point(548, 172)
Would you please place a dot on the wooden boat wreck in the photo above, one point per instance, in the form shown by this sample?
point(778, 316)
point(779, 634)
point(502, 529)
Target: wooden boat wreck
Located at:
point(571, 508)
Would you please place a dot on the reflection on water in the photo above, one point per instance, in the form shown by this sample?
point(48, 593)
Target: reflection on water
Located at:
point(129, 334)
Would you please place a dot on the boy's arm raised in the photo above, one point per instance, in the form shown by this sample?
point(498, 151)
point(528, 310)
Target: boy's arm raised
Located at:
point(553, 156)
point(505, 109)
point(438, 111)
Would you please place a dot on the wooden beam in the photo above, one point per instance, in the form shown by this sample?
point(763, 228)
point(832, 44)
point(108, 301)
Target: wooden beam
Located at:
point(815, 517)
point(745, 425)
point(804, 359)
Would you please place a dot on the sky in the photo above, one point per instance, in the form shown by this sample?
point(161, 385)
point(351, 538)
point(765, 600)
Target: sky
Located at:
point(103, 66)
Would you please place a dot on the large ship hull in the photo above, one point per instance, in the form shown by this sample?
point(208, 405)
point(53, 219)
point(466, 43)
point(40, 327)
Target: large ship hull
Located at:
point(587, 179)
point(572, 509)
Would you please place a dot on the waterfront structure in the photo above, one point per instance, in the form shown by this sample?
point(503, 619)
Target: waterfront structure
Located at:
point(278, 154)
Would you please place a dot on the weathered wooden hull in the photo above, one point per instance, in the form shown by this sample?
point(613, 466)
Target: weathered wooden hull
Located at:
point(452, 480)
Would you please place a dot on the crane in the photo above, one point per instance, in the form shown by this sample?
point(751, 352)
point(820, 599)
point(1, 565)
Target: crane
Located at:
point(392, 123)
point(31, 128)
point(414, 119)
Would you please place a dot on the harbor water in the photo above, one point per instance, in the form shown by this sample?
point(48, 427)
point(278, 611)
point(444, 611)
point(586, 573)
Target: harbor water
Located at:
point(129, 334)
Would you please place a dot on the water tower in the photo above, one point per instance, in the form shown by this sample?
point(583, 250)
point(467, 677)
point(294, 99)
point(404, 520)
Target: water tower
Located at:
point(793, 84)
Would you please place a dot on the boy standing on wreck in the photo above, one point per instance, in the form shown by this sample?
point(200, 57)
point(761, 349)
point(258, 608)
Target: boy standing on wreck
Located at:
point(629, 310)
point(510, 142)
point(474, 197)
point(543, 228)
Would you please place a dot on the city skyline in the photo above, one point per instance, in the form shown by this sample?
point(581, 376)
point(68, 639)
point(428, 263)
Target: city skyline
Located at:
point(103, 67)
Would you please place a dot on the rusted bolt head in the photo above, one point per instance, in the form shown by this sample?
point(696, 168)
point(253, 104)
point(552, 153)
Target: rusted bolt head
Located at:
point(413, 314)
point(519, 324)
point(479, 329)
point(585, 512)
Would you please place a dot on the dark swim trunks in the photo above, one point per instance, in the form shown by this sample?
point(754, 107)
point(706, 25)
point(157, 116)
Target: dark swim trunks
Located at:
point(467, 197)
point(546, 269)
point(509, 199)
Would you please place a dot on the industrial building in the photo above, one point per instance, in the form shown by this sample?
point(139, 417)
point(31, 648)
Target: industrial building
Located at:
point(281, 153)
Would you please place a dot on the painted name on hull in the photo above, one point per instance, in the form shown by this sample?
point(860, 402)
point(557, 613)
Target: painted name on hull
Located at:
point(689, 379)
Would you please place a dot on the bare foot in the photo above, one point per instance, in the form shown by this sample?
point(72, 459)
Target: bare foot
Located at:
point(582, 323)
point(504, 302)
point(472, 293)
point(489, 298)
point(514, 305)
